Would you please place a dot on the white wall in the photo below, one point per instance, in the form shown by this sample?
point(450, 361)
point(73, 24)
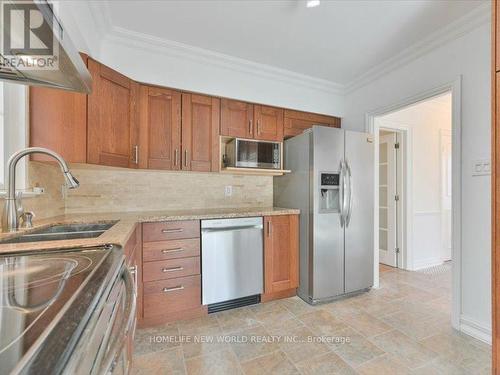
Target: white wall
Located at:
point(427, 122)
point(79, 24)
point(469, 57)
point(153, 61)
point(161, 66)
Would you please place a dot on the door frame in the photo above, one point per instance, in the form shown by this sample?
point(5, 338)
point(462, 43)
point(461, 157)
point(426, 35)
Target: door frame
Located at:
point(456, 125)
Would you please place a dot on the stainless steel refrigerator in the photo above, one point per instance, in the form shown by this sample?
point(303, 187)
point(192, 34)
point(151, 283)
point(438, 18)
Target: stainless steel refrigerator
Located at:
point(332, 184)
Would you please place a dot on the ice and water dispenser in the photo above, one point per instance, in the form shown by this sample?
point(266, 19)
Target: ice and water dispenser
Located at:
point(329, 192)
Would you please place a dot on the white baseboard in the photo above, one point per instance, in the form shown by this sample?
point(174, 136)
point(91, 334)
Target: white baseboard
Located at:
point(426, 263)
point(475, 329)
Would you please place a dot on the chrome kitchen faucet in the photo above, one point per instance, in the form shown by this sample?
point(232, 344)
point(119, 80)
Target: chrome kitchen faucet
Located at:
point(11, 214)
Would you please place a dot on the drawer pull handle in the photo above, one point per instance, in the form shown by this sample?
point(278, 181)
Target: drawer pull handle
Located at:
point(172, 230)
point(173, 269)
point(180, 287)
point(168, 251)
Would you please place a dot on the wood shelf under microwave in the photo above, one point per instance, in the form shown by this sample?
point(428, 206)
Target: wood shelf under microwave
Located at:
point(248, 171)
point(255, 171)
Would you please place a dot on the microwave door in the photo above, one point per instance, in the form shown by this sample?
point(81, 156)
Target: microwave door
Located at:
point(258, 154)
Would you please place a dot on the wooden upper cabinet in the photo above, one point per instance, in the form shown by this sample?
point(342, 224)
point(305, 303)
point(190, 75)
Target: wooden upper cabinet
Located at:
point(58, 121)
point(296, 122)
point(281, 253)
point(268, 123)
point(160, 127)
point(236, 119)
point(200, 133)
point(112, 125)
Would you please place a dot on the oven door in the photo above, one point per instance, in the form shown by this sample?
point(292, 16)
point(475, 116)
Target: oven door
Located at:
point(116, 357)
point(104, 345)
point(258, 154)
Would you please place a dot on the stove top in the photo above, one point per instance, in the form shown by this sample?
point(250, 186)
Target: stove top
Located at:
point(37, 291)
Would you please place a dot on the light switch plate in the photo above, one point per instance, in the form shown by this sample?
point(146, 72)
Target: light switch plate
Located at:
point(481, 167)
point(228, 191)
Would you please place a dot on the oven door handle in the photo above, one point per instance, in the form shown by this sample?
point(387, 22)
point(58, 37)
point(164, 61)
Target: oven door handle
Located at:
point(116, 346)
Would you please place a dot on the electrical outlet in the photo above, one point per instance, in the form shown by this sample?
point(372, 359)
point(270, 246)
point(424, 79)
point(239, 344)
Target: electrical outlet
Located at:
point(228, 191)
point(481, 167)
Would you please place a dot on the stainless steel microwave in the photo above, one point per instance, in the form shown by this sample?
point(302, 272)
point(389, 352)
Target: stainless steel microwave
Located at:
point(245, 153)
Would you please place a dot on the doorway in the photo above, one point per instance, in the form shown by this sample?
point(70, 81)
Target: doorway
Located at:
point(390, 190)
point(425, 128)
point(434, 213)
point(390, 195)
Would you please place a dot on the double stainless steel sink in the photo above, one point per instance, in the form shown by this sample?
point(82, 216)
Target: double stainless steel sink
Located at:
point(62, 232)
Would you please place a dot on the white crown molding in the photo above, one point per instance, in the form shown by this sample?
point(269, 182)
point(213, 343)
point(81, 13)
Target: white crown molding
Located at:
point(101, 12)
point(479, 16)
point(176, 49)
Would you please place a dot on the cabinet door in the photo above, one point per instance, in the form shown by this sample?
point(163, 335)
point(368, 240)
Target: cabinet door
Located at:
point(236, 118)
point(160, 126)
point(58, 121)
point(281, 253)
point(268, 123)
point(200, 133)
point(296, 122)
point(112, 124)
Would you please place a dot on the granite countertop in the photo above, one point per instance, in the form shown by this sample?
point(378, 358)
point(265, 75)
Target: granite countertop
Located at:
point(119, 233)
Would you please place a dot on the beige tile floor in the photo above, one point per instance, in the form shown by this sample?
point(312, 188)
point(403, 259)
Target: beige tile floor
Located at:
point(401, 328)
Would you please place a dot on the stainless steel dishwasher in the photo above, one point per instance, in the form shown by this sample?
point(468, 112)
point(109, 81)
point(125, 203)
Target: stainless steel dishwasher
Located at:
point(232, 262)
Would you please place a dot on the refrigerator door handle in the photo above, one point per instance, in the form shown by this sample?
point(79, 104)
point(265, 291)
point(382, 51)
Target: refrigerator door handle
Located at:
point(349, 212)
point(342, 193)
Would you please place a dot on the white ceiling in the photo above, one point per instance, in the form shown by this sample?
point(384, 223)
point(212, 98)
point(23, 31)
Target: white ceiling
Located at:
point(337, 41)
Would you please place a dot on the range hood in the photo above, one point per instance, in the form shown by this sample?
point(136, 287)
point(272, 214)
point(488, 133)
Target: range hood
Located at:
point(68, 71)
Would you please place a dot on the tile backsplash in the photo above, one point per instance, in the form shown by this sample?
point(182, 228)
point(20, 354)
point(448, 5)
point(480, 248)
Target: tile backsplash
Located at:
point(51, 203)
point(106, 189)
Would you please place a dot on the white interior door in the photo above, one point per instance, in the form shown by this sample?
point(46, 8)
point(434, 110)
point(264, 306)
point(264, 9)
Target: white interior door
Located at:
point(387, 202)
point(446, 195)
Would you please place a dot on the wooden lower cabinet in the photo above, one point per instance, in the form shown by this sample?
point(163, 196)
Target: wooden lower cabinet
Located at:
point(171, 267)
point(281, 256)
point(165, 297)
point(171, 277)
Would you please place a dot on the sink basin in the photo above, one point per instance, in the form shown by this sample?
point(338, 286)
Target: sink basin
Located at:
point(62, 232)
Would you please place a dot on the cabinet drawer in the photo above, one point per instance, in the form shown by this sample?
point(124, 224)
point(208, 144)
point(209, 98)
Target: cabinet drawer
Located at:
point(163, 250)
point(170, 269)
point(171, 230)
point(168, 296)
